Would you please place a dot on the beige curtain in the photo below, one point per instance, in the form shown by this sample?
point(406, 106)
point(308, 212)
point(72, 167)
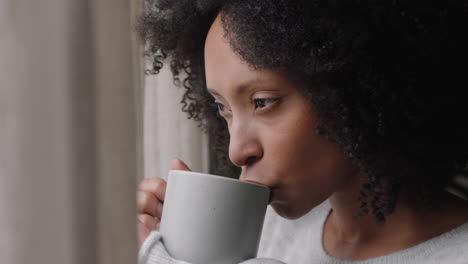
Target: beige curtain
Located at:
point(167, 131)
point(69, 144)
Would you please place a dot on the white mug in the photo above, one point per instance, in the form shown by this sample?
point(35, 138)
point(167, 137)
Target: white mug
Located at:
point(209, 219)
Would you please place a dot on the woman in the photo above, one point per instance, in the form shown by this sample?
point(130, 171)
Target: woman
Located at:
point(351, 111)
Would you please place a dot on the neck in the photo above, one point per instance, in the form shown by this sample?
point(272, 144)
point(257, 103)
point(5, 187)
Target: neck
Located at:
point(352, 237)
point(345, 223)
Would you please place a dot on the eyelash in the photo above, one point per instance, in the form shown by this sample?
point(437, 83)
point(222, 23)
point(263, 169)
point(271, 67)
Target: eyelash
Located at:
point(257, 103)
point(219, 107)
point(257, 100)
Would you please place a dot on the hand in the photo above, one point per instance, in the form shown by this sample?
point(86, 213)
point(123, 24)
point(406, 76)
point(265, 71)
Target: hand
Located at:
point(150, 199)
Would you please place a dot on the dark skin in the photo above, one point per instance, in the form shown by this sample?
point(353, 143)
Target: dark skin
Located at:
point(363, 238)
point(344, 237)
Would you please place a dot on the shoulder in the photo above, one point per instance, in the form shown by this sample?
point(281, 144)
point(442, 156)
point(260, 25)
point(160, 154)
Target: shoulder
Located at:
point(447, 247)
point(450, 246)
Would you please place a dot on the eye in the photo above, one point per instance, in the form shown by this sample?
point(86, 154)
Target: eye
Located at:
point(263, 102)
point(220, 107)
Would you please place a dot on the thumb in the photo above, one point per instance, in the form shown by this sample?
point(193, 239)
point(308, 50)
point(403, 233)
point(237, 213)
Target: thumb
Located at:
point(177, 164)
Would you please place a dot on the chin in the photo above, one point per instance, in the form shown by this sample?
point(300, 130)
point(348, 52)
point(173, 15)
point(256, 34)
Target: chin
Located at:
point(287, 211)
point(291, 210)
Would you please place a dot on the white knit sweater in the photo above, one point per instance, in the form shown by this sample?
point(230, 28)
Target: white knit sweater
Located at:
point(153, 252)
point(300, 242)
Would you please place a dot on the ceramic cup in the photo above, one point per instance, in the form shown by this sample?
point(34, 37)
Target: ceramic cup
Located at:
point(209, 219)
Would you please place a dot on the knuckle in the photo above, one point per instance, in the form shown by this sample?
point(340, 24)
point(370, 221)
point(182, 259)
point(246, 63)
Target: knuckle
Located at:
point(148, 209)
point(145, 219)
point(145, 201)
point(156, 185)
point(141, 198)
point(160, 184)
point(152, 185)
point(148, 221)
point(143, 183)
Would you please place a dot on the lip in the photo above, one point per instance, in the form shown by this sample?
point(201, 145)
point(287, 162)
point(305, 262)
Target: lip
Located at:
point(270, 186)
point(257, 183)
point(273, 189)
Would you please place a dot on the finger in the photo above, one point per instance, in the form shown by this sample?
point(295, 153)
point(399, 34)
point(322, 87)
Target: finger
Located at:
point(155, 186)
point(148, 221)
point(143, 232)
point(147, 203)
point(177, 164)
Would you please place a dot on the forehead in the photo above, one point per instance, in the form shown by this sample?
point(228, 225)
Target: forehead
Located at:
point(223, 67)
point(218, 52)
point(227, 74)
point(215, 35)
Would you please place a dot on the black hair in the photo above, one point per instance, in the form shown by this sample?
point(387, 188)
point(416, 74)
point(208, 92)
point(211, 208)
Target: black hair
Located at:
point(387, 79)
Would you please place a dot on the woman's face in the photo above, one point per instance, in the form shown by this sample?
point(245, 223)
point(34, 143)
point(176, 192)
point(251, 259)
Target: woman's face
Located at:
point(272, 131)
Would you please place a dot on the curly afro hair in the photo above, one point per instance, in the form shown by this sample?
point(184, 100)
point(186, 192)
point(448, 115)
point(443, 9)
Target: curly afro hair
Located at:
point(387, 79)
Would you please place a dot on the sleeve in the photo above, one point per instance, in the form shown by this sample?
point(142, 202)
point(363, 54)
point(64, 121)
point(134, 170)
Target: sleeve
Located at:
point(153, 252)
point(262, 261)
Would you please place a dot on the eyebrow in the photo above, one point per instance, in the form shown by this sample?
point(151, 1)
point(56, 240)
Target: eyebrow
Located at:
point(239, 89)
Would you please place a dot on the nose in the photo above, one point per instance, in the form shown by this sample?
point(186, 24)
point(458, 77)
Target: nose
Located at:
point(244, 146)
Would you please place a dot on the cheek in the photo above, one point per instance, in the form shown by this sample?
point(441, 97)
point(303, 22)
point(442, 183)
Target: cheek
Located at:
point(292, 143)
point(309, 166)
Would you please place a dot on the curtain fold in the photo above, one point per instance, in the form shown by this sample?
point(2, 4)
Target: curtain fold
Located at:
point(68, 131)
point(167, 131)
